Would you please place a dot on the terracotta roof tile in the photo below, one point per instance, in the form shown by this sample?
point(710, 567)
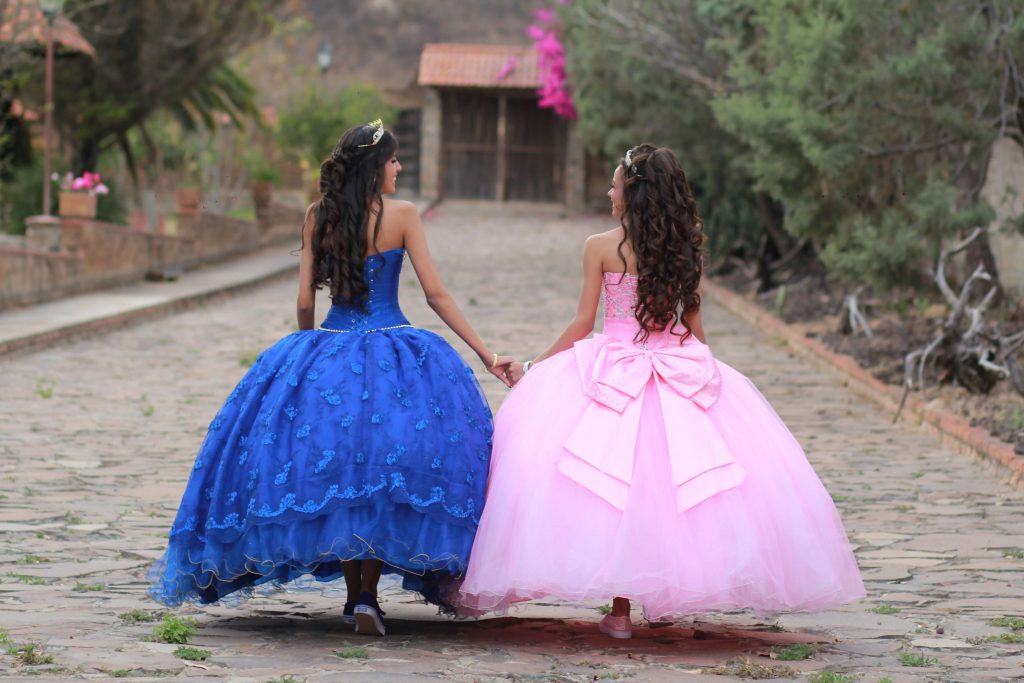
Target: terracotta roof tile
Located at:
point(479, 66)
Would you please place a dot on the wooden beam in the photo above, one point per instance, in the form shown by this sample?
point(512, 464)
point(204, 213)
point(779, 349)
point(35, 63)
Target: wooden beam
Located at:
point(502, 147)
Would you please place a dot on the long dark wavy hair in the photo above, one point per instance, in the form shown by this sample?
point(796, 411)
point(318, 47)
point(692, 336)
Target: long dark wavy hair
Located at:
point(666, 234)
point(350, 180)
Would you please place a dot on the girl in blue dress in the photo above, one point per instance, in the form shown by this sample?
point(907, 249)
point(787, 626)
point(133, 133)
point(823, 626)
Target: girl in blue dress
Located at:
point(359, 447)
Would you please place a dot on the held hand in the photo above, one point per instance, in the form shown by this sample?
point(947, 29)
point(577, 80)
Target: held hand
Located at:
point(500, 369)
point(515, 372)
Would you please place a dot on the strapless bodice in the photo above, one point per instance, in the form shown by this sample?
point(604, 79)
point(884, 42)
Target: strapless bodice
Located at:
point(619, 291)
point(382, 272)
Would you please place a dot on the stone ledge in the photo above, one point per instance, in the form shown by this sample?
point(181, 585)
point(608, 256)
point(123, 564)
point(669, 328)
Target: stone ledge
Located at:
point(954, 430)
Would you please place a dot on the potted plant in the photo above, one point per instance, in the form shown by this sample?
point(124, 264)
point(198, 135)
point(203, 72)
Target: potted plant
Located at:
point(78, 195)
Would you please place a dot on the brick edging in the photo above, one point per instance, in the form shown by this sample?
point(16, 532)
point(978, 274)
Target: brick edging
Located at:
point(954, 430)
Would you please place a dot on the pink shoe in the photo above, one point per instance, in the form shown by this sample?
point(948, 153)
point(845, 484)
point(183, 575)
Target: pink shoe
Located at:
point(616, 627)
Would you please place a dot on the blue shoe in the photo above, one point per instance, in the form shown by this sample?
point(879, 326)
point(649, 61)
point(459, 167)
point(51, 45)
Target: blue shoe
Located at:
point(348, 615)
point(368, 616)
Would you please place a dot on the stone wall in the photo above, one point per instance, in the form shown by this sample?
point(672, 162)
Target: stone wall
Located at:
point(94, 254)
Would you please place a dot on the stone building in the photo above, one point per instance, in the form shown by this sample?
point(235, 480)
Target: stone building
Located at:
point(482, 134)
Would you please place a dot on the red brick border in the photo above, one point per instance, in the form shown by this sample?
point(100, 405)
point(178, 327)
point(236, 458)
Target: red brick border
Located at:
point(954, 430)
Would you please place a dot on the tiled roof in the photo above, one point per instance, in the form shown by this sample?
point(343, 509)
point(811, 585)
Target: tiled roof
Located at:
point(23, 22)
point(479, 66)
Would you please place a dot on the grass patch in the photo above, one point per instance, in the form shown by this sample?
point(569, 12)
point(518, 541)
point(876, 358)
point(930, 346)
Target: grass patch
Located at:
point(605, 609)
point(353, 653)
point(839, 499)
point(246, 357)
point(884, 609)
point(285, 679)
point(777, 628)
point(1009, 638)
point(145, 407)
point(741, 667)
point(831, 677)
point(796, 652)
point(45, 387)
point(614, 675)
point(916, 659)
point(30, 580)
point(1014, 554)
point(29, 654)
point(175, 629)
point(88, 587)
point(71, 519)
point(119, 673)
point(1016, 623)
point(5, 638)
point(192, 654)
point(136, 616)
point(32, 559)
point(884, 680)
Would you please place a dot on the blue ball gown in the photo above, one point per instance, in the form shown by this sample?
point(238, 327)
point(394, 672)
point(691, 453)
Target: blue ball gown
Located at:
point(366, 439)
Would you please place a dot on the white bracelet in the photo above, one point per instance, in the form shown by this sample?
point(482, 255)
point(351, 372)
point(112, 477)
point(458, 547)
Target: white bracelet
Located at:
point(526, 366)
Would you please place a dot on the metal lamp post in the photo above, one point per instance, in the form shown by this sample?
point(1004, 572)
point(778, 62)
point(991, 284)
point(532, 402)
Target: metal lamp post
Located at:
point(51, 9)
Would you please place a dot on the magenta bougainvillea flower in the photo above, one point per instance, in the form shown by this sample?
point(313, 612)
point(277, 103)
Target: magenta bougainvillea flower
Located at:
point(555, 91)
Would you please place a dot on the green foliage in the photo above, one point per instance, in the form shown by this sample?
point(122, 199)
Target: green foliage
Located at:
point(795, 652)
point(192, 654)
point(884, 609)
point(175, 629)
point(88, 587)
point(315, 119)
point(352, 653)
point(1015, 623)
point(831, 677)
point(624, 97)
point(136, 616)
point(29, 654)
point(916, 659)
point(856, 119)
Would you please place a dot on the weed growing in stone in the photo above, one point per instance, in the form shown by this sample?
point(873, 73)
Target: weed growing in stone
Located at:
point(192, 654)
point(246, 357)
point(5, 639)
point(1014, 554)
point(29, 654)
point(30, 580)
point(45, 387)
point(741, 667)
point(352, 653)
point(175, 629)
point(88, 587)
point(71, 519)
point(1016, 623)
point(605, 609)
point(795, 652)
point(884, 609)
point(145, 407)
point(136, 616)
point(285, 679)
point(831, 677)
point(884, 680)
point(915, 659)
point(119, 673)
point(32, 559)
point(1009, 638)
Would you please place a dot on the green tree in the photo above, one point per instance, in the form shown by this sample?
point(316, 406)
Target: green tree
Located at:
point(314, 120)
point(640, 73)
point(150, 56)
point(872, 120)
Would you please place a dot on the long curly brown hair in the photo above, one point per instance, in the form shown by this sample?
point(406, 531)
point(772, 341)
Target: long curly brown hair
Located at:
point(666, 234)
point(350, 180)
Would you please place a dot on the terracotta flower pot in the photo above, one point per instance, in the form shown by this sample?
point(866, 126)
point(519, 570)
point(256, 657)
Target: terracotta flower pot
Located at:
point(188, 199)
point(262, 192)
point(77, 205)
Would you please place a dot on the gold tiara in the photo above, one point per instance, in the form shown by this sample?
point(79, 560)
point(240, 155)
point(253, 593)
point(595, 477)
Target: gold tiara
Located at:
point(378, 133)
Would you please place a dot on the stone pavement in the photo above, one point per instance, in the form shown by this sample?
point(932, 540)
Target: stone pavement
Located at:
point(97, 438)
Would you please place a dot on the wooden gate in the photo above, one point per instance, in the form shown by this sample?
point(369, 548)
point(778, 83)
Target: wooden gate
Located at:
point(501, 146)
point(469, 133)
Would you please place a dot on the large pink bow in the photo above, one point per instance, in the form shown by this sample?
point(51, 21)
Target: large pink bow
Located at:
point(602, 446)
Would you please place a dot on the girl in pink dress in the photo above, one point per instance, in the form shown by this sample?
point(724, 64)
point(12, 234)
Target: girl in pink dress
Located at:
point(634, 464)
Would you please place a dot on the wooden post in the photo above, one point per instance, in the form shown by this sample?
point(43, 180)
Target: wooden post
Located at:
point(48, 118)
point(502, 147)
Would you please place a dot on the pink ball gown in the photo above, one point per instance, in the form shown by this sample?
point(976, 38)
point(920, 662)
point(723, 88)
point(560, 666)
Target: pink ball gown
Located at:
point(656, 473)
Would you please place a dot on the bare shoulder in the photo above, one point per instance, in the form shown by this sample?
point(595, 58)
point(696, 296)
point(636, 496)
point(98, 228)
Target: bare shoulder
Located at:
point(400, 208)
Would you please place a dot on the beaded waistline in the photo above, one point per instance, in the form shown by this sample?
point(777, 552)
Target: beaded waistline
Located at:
point(376, 329)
